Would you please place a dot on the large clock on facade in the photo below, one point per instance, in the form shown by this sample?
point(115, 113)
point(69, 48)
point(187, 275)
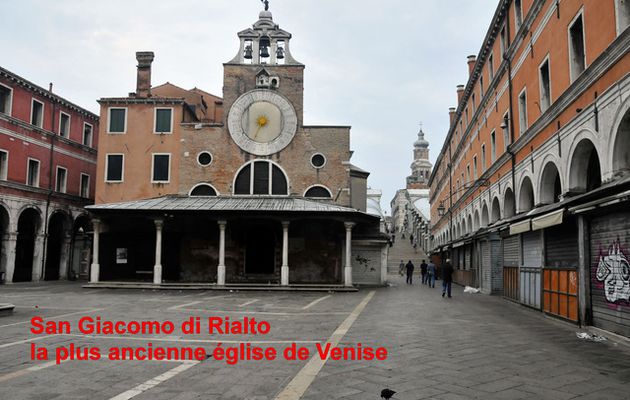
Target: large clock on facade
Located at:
point(262, 122)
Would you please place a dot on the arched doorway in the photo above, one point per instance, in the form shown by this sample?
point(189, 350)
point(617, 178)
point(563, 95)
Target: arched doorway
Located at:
point(54, 246)
point(496, 210)
point(550, 186)
point(526, 196)
point(509, 203)
point(28, 226)
point(81, 248)
point(621, 149)
point(585, 172)
point(4, 250)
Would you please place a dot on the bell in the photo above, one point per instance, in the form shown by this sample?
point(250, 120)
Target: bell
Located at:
point(280, 53)
point(248, 52)
point(264, 52)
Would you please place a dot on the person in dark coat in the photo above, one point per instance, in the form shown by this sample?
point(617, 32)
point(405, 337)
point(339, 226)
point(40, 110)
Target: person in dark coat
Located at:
point(423, 271)
point(447, 278)
point(410, 268)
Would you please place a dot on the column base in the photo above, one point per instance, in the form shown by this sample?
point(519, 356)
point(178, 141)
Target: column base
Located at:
point(347, 272)
point(284, 275)
point(221, 275)
point(157, 274)
point(94, 272)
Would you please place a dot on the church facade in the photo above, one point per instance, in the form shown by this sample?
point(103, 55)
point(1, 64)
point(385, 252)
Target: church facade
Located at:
point(193, 187)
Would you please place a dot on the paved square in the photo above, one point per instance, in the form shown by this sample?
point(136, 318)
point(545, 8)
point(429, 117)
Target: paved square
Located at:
point(471, 346)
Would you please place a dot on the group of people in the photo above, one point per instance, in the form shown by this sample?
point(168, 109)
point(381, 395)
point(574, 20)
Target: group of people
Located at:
point(429, 274)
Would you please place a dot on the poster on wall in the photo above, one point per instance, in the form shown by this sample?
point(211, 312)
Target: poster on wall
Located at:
point(121, 255)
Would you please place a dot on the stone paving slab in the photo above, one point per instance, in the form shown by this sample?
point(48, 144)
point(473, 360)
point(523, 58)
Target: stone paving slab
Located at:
point(467, 347)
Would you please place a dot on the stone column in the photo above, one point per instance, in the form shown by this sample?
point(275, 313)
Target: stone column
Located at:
point(95, 267)
point(348, 264)
point(221, 266)
point(284, 271)
point(9, 244)
point(38, 256)
point(64, 259)
point(157, 268)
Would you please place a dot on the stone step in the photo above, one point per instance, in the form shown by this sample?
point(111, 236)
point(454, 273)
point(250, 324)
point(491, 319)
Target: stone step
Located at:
point(228, 287)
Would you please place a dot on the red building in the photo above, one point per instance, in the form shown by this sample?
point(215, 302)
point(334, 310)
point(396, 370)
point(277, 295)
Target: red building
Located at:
point(47, 169)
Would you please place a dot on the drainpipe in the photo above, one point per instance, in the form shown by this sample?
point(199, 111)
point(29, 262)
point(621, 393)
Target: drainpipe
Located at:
point(50, 187)
point(511, 121)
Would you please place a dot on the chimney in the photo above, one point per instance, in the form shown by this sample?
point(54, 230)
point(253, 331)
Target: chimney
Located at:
point(50, 87)
point(143, 86)
point(460, 93)
point(471, 63)
point(451, 114)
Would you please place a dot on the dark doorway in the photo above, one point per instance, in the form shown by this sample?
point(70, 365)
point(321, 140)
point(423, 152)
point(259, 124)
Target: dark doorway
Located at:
point(54, 246)
point(260, 250)
point(28, 224)
point(4, 228)
point(81, 248)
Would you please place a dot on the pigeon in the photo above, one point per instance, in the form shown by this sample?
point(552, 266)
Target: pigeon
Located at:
point(387, 394)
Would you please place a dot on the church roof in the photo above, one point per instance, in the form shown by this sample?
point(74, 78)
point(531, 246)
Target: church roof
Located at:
point(421, 142)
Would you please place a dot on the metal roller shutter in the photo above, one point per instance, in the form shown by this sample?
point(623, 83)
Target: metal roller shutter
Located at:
point(486, 268)
point(532, 249)
point(530, 272)
point(610, 271)
point(511, 251)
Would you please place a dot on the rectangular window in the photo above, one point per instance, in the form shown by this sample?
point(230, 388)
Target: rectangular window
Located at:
point(483, 157)
point(493, 146)
point(473, 103)
point(163, 120)
point(32, 173)
point(545, 86)
point(84, 189)
point(117, 120)
point(6, 97)
point(4, 164)
point(261, 178)
point(522, 111)
point(503, 40)
point(518, 11)
point(37, 113)
point(577, 55)
point(475, 167)
point(480, 87)
point(114, 168)
point(161, 168)
point(60, 182)
point(467, 120)
point(64, 124)
point(491, 67)
point(622, 7)
point(87, 134)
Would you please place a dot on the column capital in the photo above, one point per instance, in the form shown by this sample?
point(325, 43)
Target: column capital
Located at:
point(285, 224)
point(159, 223)
point(349, 225)
point(96, 221)
point(222, 223)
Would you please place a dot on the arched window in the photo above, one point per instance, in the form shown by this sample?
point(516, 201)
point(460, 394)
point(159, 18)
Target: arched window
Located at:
point(203, 189)
point(261, 177)
point(318, 192)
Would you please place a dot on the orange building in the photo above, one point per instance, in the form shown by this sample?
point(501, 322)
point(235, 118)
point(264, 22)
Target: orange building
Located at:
point(529, 195)
point(192, 187)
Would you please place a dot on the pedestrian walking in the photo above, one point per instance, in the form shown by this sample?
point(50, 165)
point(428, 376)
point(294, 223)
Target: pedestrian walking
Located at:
point(431, 273)
point(415, 247)
point(423, 271)
point(411, 239)
point(401, 267)
point(447, 278)
point(410, 268)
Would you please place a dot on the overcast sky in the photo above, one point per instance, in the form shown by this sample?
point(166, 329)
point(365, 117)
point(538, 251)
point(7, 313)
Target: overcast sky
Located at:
point(381, 66)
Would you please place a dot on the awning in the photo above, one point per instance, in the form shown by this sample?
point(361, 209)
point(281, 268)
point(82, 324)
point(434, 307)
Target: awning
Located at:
point(458, 244)
point(551, 219)
point(520, 227)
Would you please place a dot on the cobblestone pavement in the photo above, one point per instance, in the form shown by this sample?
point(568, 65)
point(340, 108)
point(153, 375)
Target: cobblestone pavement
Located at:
point(470, 346)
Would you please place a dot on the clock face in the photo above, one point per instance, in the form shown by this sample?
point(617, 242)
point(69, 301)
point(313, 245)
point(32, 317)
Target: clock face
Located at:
point(262, 122)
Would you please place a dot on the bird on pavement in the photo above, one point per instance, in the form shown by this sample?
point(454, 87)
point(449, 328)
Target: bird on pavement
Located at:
point(387, 394)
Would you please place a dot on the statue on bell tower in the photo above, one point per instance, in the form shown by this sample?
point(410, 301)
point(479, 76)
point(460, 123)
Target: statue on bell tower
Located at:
point(266, 3)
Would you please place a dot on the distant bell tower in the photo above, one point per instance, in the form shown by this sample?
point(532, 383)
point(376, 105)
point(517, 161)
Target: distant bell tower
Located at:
point(421, 166)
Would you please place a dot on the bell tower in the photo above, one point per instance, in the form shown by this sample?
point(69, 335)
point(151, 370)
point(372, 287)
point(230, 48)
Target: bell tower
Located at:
point(421, 166)
point(264, 61)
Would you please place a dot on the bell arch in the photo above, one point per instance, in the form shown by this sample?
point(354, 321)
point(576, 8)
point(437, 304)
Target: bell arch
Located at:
point(261, 177)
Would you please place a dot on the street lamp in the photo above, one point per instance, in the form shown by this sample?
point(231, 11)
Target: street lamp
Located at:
point(441, 210)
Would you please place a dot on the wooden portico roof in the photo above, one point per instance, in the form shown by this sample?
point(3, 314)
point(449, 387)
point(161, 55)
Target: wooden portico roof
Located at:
point(232, 204)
